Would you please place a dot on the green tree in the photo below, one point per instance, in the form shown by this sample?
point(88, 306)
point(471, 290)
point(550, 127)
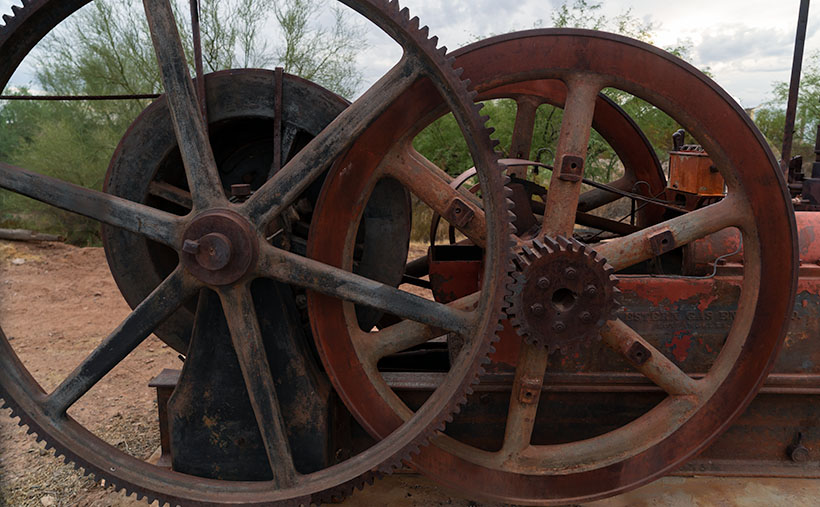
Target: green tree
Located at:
point(319, 54)
point(771, 116)
point(442, 143)
point(106, 49)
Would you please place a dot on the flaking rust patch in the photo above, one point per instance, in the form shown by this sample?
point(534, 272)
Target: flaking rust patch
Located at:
point(680, 344)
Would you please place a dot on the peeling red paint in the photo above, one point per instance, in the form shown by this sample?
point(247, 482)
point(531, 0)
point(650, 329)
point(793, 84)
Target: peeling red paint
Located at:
point(680, 345)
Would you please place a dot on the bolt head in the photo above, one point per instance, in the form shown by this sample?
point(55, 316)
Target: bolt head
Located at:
point(586, 317)
point(591, 290)
point(559, 327)
point(799, 454)
point(571, 273)
point(214, 252)
point(537, 309)
point(543, 282)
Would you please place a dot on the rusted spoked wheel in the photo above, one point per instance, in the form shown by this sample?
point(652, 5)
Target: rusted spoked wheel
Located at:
point(694, 410)
point(642, 175)
point(222, 247)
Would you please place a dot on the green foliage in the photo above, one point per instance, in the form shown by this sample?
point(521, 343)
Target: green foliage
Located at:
point(584, 14)
point(319, 54)
point(51, 140)
point(106, 49)
point(771, 117)
point(442, 142)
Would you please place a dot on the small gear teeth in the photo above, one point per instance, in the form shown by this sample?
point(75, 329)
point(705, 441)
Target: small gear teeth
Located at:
point(573, 335)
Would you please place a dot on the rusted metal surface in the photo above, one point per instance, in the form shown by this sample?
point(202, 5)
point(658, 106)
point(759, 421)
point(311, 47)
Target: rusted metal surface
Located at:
point(455, 271)
point(691, 170)
point(164, 383)
point(562, 295)
point(147, 168)
point(691, 413)
point(254, 218)
point(219, 247)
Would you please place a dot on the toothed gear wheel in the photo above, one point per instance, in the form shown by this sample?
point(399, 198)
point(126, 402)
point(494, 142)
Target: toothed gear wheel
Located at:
point(46, 415)
point(562, 293)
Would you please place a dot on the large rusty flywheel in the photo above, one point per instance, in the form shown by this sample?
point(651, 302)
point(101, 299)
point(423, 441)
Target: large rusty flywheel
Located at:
point(267, 242)
point(696, 409)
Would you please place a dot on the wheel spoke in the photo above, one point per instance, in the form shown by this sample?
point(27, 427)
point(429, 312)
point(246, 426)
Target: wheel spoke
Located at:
point(296, 270)
point(570, 156)
point(246, 336)
point(623, 252)
point(429, 183)
point(171, 193)
point(191, 132)
point(521, 144)
point(647, 359)
point(311, 161)
point(405, 334)
point(149, 314)
point(526, 392)
point(154, 224)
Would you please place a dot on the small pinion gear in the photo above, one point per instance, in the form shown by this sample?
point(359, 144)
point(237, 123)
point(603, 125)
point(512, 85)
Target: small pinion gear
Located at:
point(562, 293)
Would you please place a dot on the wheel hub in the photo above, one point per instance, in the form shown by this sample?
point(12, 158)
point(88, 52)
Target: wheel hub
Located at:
point(562, 294)
point(219, 247)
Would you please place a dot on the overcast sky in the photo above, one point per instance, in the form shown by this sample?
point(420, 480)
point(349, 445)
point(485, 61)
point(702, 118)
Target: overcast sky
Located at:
point(746, 44)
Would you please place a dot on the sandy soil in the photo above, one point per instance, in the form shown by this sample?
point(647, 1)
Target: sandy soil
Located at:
point(57, 302)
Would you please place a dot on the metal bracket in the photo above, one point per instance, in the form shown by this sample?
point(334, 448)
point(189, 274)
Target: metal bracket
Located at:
point(459, 213)
point(529, 390)
point(572, 168)
point(662, 242)
point(638, 354)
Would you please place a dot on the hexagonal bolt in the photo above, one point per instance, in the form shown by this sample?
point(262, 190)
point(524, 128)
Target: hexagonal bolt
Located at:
point(797, 451)
point(190, 246)
point(586, 317)
point(591, 290)
point(571, 273)
point(543, 283)
point(537, 309)
point(559, 327)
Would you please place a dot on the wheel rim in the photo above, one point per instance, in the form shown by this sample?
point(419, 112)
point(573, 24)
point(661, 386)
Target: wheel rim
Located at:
point(757, 204)
point(46, 413)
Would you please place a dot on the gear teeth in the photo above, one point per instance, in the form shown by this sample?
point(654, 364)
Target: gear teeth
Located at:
point(424, 32)
point(528, 257)
point(414, 22)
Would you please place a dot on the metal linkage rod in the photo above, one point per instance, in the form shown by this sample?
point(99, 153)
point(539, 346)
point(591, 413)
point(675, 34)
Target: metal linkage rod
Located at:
point(80, 97)
point(794, 85)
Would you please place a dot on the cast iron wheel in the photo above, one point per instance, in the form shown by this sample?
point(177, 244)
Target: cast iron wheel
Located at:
point(222, 247)
point(643, 174)
point(147, 168)
point(695, 411)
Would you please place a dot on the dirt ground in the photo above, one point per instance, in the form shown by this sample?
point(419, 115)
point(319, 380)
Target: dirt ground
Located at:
point(57, 302)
